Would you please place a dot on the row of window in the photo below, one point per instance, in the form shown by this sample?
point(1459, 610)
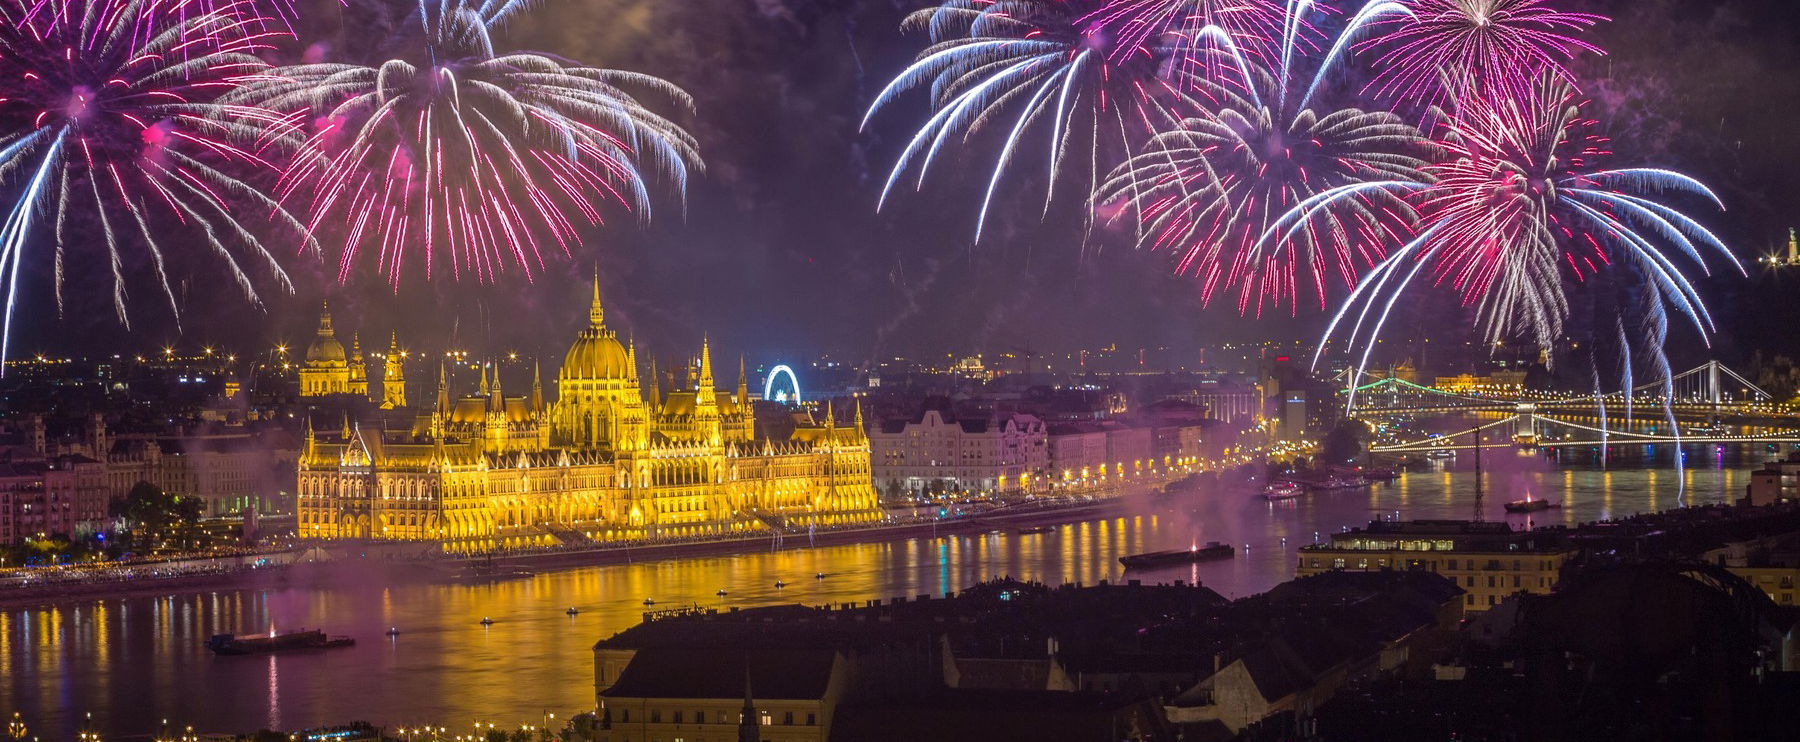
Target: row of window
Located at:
point(677, 716)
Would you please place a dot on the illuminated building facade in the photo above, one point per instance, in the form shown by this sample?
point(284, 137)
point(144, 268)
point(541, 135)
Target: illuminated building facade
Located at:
point(936, 453)
point(1490, 561)
point(605, 461)
point(327, 369)
point(393, 376)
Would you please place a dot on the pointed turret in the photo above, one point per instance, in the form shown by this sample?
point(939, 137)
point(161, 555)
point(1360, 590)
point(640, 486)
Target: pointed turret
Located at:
point(443, 391)
point(496, 402)
point(631, 367)
point(537, 388)
point(441, 412)
point(483, 389)
point(345, 432)
point(861, 432)
point(830, 417)
point(705, 384)
point(596, 315)
point(312, 441)
point(743, 390)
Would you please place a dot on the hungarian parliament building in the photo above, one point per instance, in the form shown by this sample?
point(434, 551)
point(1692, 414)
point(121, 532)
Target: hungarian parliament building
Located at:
point(607, 460)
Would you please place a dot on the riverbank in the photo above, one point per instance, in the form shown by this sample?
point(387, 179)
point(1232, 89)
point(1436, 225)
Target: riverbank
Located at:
point(301, 573)
point(630, 553)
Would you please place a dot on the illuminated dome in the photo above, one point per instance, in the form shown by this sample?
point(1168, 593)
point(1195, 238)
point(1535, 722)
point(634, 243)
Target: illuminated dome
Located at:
point(326, 349)
point(597, 354)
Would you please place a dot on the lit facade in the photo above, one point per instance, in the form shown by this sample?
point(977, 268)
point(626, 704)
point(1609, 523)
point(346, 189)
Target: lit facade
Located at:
point(327, 368)
point(605, 461)
point(393, 376)
point(1489, 561)
point(1003, 453)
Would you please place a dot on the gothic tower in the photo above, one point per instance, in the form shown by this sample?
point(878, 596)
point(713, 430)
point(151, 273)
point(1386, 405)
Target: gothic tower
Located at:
point(393, 377)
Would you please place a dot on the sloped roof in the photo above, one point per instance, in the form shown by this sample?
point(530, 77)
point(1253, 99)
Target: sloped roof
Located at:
point(787, 674)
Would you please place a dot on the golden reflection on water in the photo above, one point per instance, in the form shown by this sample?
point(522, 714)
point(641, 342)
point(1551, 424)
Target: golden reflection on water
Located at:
point(136, 660)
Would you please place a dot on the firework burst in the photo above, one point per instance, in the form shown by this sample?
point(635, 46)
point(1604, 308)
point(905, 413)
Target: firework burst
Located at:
point(1522, 208)
point(469, 156)
point(1027, 65)
point(1254, 26)
point(111, 111)
point(1268, 192)
point(1447, 47)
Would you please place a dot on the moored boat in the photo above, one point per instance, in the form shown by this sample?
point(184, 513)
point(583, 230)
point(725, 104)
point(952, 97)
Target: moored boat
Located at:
point(1203, 553)
point(227, 644)
point(1530, 505)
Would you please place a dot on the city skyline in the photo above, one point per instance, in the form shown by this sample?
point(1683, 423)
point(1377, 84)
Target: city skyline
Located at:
point(898, 370)
point(679, 275)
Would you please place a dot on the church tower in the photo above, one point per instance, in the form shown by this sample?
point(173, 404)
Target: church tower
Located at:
point(359, 371)
point(393, 376)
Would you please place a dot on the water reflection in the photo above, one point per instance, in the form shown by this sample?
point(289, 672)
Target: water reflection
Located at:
point(135, 661)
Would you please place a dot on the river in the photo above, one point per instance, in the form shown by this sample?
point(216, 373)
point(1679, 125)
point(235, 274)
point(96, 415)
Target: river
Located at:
point(133, 662)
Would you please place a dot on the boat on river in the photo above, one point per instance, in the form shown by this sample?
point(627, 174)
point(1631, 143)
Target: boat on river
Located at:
point(227, 644)
point(1278, 491)
point(1210, 551)
point(1530, 505)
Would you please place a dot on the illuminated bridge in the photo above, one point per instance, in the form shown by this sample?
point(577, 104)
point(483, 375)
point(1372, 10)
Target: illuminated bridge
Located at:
point(1650, 414)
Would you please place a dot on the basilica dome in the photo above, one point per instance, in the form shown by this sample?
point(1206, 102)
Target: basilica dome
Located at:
point(326, 348)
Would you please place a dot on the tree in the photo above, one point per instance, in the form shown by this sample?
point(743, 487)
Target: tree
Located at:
point(1346, 441)
point(153, 516)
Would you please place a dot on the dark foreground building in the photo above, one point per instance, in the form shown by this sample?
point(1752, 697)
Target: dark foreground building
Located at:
point(1012, 660)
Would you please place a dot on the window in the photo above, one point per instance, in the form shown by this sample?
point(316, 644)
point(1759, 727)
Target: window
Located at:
point(700, 717)
point(656, 716)
point(787, 719)
point(1490, 580)
point(1515, 580)
point(1471, 597)
point(624, 715)
point(1490, 600)
point(811, 720)
point(677, 717)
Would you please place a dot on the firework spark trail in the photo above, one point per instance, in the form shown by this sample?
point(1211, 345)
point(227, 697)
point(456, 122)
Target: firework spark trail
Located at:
point(473, 157)
point(1264, 189)
point(1254, 26)
point(116, 106)
point(1038, 62)
point(1448, 48)
point(1521, 208)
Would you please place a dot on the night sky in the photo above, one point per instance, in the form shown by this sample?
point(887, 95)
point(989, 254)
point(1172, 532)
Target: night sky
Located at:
point(780, 252)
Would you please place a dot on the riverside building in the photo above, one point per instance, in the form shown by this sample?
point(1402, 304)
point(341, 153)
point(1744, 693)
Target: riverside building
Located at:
point(1489, 561)
point(607, 460)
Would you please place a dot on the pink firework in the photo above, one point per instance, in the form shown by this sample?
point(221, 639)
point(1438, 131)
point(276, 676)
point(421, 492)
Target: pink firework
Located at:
point(1254, 26)
point(1523, 206)
point(114, 130)
point(1448, 46)
point(468, 159)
